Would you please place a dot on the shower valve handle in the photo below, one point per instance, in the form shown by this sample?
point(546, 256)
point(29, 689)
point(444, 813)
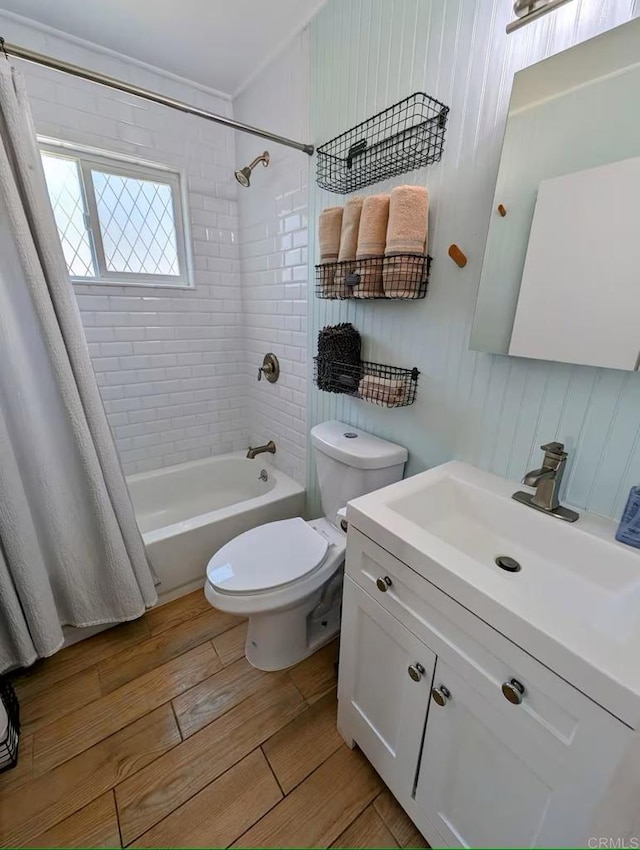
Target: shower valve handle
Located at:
point(270, 368)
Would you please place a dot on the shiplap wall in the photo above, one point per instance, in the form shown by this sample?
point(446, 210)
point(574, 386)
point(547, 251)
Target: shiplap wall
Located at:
point(492, 411)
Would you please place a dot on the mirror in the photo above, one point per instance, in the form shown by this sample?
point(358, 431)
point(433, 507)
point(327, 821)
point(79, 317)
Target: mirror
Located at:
point(561, 272)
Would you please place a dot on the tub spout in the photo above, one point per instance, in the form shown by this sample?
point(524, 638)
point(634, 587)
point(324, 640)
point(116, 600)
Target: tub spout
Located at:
point(269, 447)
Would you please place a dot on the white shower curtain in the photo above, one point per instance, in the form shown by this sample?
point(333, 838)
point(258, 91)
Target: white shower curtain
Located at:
point(70, 550)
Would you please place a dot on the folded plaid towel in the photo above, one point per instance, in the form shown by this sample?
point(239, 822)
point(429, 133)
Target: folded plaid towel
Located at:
point(389, 391)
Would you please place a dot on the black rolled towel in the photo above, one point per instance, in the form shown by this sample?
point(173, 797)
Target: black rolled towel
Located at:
point(339, 364)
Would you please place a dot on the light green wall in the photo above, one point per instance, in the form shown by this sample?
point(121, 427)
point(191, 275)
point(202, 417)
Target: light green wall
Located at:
point(493, 411)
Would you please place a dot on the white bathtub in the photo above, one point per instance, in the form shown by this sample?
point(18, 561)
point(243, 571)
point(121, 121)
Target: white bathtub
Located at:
point(187, 512)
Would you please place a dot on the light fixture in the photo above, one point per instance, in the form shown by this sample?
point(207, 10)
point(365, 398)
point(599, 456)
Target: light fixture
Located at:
point(527, 11)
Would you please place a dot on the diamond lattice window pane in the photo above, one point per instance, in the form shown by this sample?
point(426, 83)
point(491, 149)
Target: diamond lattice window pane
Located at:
point(137, 224)
point(65, 192)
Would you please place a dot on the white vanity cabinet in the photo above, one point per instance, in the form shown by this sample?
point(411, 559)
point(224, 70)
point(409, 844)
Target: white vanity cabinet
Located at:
point(387, 674)
point(480, 743)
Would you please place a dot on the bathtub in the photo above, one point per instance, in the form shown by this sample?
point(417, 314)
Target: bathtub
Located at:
point(187, 512)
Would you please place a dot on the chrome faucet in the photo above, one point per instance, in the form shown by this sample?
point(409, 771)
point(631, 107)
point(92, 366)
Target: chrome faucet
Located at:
point(269, 447)
point(547, 482)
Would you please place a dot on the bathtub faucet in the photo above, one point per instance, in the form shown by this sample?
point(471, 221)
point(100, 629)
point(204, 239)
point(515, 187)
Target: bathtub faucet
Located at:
point(270, 447)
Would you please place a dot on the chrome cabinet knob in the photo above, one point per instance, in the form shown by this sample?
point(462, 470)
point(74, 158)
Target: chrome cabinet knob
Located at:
point(441, 695)
point(415, 671)
point(383, 584)
point(513, 690)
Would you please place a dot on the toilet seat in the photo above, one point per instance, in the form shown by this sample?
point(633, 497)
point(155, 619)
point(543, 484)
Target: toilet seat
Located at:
point(267, 557)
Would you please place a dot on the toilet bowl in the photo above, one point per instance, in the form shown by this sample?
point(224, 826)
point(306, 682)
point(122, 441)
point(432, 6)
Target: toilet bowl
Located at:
point(286, 576)
point(276, 574)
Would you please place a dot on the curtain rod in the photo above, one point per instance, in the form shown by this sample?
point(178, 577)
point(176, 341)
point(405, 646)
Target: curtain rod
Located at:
point(136, 91)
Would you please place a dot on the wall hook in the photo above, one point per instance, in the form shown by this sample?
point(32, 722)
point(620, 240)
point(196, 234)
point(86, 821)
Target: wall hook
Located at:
point(458, 257)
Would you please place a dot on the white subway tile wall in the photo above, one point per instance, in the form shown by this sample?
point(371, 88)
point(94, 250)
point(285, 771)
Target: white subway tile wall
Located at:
point(171, 364)
point(274, 262)
point(177, 369)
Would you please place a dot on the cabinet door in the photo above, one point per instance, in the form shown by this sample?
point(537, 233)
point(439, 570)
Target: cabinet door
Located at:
point(383, 689)
point(491, 775)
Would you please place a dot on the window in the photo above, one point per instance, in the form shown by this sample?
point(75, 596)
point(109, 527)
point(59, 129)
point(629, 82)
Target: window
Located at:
point(118, 222)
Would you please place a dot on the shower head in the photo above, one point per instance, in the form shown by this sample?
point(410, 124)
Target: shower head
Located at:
point(243, 175)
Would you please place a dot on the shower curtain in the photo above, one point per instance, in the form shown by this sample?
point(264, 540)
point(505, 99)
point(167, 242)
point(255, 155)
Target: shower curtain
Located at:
point(70, 550)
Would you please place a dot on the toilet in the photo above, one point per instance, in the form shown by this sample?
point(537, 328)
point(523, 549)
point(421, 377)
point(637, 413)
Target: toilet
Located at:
point(286, 576)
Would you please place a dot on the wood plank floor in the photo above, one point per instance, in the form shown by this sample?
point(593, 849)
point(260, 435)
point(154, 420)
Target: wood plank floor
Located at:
point(158, 733)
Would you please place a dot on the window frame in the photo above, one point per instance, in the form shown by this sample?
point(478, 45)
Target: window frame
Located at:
point(120, 165)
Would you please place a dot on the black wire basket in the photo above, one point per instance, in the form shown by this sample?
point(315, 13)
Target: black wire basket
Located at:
point(389, 386)
point(401, 277)
point(403, 137)
point(9, 746)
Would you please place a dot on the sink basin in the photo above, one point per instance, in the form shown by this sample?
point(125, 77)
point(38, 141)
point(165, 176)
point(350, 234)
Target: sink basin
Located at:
point(483, 524)
point(575, 599)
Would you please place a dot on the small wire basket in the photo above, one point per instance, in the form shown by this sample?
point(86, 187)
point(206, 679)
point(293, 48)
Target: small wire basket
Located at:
point(401, 277)
point(9, 746)
point(389, 386)
point(408, 135)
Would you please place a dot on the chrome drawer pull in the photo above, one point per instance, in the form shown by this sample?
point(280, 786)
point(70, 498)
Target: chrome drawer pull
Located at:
point(441, 695)
point(513, 690)
point(383, 584)
point(416, 671)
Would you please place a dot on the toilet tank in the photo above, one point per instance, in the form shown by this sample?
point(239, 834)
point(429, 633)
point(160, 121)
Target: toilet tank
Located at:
point(350, 463)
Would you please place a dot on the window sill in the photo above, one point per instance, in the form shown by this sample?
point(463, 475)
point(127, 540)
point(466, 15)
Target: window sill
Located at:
point(91, 282)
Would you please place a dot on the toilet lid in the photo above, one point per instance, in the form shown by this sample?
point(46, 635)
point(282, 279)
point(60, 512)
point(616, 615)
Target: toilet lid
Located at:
point(267, 557)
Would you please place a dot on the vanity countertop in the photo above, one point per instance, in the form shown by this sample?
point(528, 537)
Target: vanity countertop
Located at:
point(575, 603)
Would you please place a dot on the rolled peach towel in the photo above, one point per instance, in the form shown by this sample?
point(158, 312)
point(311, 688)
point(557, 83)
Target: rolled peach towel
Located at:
point(371, 243)
point(329, 228)
point(350, 228)
point(403, 275)
point(389, 391)
point(407, 226)
point(348, 245)
point(406, 234)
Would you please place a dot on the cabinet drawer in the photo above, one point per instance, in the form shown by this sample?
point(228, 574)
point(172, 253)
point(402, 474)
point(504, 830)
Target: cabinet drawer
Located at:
point(391, 583)
point(551, 710)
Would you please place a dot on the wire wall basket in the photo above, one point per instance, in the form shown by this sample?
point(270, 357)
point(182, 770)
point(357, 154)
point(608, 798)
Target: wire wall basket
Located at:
point(9, 737)
point(401, 277)
point(403, 137)
point(389, 386)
